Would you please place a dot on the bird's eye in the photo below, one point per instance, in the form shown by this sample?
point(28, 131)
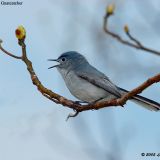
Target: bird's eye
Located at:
point(63, 59)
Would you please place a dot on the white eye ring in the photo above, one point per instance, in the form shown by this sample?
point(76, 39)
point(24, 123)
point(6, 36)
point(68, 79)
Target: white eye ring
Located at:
point(63, 59)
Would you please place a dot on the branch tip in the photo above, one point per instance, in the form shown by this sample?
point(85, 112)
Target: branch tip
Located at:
point(110, 9)
point(20, 32)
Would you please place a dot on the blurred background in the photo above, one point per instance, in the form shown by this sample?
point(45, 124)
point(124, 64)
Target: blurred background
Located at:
point(34, 128)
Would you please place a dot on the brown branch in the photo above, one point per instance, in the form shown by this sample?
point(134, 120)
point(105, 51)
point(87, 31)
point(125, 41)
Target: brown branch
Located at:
point(136, 44)
point(8, 53)
point(56, 98)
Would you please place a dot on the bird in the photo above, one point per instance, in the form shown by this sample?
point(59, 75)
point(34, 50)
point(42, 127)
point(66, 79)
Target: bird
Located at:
point(89, 85)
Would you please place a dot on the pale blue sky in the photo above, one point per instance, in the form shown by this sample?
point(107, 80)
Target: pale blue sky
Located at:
point(32, 127)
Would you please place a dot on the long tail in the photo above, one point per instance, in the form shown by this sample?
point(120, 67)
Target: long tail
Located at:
point(144, 102)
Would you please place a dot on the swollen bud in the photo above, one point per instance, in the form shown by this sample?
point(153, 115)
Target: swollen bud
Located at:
point(110, 9)
point(126, 29)
point(20, 32)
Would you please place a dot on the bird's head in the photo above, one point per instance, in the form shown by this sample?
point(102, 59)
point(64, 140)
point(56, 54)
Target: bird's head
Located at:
point(69, 60)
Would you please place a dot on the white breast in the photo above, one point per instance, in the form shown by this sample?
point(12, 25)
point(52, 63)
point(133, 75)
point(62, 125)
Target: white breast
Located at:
point(81, 88)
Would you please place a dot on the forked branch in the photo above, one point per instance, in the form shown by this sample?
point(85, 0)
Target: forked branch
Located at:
point(134, 43)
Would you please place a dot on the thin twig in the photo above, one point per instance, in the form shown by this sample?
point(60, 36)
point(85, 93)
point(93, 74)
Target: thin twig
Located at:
point(10, 54)
point(133, 39)
point(137, 44)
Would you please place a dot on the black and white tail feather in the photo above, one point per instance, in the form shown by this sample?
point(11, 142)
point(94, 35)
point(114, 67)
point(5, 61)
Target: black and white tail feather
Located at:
point(144, 102)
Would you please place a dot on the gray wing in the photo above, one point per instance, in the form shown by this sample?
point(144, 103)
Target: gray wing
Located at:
point(97, 78)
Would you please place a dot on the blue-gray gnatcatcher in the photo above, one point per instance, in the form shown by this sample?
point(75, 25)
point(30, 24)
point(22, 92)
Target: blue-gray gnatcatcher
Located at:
point(89, 85)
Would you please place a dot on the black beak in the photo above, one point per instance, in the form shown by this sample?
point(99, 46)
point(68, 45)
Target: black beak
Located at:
point(56, 60)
